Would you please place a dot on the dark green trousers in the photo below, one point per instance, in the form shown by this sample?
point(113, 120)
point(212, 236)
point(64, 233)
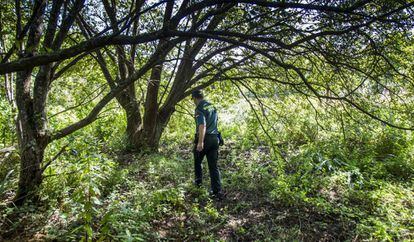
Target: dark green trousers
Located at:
point(211, 146)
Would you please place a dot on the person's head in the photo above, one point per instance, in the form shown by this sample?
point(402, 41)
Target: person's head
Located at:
point(197, 96)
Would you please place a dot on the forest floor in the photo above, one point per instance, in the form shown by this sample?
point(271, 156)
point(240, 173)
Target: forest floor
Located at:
point(151, 197)
point(182, 212)
point(246, 213)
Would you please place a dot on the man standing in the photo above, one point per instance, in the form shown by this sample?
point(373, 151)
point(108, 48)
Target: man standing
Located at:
point(206, 142)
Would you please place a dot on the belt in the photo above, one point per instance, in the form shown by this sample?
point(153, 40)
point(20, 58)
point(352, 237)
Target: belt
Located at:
point(206, 135)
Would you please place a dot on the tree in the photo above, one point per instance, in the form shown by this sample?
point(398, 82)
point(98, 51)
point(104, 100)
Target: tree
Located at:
point(281, 33)
point(319, 36)
point(31, 98)
point(144, 131)
point(31, 122)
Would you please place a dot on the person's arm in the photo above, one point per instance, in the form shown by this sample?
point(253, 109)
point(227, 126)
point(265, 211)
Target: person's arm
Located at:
point(201, 134)
point(201, 129)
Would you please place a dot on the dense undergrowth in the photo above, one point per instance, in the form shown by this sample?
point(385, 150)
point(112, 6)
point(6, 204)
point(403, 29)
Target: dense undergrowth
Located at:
point(316, 183)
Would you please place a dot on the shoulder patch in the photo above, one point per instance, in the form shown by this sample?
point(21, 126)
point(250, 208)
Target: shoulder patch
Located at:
point(209, 107)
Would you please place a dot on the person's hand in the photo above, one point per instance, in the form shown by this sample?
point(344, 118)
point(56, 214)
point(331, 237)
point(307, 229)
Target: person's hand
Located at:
point(200, 147)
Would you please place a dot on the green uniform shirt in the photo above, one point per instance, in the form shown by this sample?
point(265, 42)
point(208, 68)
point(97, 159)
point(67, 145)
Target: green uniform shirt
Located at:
point(206, 113)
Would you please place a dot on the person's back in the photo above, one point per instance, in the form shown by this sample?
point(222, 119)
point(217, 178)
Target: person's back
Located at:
point(207, 111)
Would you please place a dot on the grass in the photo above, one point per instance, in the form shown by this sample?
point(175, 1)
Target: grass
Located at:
point(151, 197)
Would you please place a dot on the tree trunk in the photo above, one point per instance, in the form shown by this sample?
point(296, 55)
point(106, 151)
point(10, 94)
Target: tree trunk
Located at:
point(32, 141)
point(151, 110)
point(127, 99)
point(150, 138)
point(163, 119)
point(134, 126)
point(146, 138)
point(31, 157)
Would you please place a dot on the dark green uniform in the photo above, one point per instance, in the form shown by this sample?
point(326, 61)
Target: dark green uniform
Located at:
point(206, 114)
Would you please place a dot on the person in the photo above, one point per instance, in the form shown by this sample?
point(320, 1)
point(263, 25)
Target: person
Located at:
point(206, 142)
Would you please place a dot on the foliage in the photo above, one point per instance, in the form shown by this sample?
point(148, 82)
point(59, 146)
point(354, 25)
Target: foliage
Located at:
point(324, 182)
point(314, 101)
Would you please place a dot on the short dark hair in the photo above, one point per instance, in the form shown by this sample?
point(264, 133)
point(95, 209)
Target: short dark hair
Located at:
point(197, 94)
